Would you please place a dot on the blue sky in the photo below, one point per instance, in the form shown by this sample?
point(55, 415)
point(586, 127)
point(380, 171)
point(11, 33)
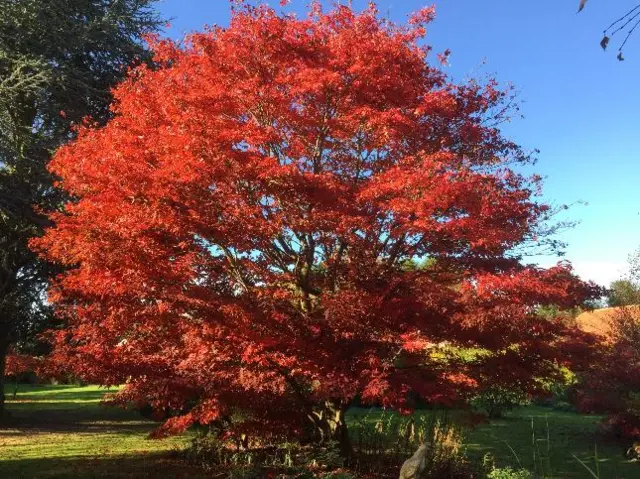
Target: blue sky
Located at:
point(581, 106)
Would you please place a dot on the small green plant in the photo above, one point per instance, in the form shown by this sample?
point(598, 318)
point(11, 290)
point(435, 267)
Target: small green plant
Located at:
point(491, 471)
point(509, 473)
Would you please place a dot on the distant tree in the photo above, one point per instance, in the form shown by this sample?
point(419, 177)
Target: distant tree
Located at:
point(58, 61)
point(623, 292)
point(248, 230)
point(495, 401)
point(611, 382)
point(568, 316)
point(624, 26)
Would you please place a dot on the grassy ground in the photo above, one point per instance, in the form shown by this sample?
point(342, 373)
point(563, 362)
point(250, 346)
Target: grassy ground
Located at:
point(64, 431)
point(542, 440)
point(515, 439)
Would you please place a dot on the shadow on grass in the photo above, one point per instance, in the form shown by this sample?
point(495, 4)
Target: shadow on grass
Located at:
point(72, 411)
point(149, 465)
point(70, 417)
point(34, 425)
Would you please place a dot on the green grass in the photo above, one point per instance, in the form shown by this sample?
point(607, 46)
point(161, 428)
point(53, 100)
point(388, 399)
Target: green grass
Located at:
point(64, 431)
point(513, 440)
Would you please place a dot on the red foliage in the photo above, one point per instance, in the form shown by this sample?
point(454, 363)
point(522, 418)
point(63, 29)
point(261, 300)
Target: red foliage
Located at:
point(611, 382)
point(20, 364)
point(623, 425)
point(241, 228)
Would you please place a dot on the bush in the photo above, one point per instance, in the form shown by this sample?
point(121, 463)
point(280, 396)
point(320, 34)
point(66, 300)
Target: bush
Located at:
point(381, 444)
point(213, 453)
point(622, 425)
point(559, 392)
point(497, 400)
point(611, 385)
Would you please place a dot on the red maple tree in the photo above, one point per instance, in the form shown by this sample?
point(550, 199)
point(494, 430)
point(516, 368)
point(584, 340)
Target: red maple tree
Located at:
point(20, 363)
point(291, 213)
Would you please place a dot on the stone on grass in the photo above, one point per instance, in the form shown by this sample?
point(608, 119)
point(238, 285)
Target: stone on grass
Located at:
point(415, 465)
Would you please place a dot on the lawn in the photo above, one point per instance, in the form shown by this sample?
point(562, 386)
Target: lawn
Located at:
point(520, 439)
point(566, 433)
point(64, 431)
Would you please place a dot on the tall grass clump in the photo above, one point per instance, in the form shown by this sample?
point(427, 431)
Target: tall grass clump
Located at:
point(382, 442)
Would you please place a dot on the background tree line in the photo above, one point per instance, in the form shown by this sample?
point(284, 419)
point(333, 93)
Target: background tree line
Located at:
point(59, 60)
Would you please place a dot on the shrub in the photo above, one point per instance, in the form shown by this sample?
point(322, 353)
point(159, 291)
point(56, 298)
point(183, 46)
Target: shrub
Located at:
point(611, 385)
point(558, 392)
point(214, 453)
point(491, 471)
point(497, 400)
point(622, 425)
point(381, 444)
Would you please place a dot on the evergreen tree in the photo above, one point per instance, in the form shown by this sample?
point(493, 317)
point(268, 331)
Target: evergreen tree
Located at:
point(59, 60)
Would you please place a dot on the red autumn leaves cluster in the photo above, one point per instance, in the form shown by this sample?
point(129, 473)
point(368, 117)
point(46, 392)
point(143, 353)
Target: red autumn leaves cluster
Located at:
point(17, 364)
point(240, 230)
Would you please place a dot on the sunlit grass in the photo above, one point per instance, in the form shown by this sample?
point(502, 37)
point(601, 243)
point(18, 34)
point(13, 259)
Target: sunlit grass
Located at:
point(65, 431)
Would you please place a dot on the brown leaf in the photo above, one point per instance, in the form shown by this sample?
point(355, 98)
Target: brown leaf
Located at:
point(582, 4)
point(604, 43)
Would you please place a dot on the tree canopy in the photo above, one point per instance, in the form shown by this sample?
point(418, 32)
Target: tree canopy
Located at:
point(623, 292)
point(242, 226)
point(58, 62)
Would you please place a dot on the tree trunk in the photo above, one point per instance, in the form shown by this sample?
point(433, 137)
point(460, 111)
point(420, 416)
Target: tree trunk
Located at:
point(329, 424)
point(4, 347)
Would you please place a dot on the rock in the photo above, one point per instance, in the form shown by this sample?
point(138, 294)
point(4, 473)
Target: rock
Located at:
point(415, 465)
